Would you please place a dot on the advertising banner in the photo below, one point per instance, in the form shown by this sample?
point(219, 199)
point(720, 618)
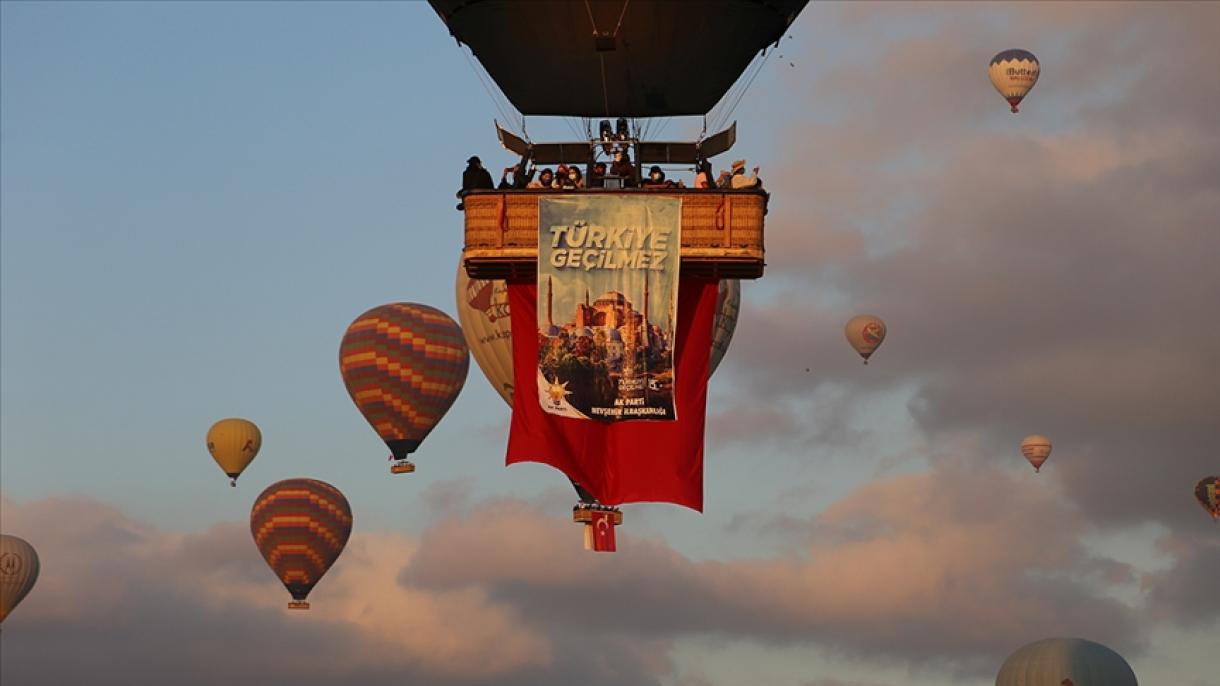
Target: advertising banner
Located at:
point(607, 306)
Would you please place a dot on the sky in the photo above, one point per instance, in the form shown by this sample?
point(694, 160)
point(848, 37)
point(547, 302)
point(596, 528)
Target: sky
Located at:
point(196, 199)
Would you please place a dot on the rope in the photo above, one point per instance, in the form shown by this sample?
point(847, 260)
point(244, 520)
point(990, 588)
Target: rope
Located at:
point(485, 80)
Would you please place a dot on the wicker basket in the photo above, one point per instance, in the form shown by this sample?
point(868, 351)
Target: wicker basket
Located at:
point(722, 232)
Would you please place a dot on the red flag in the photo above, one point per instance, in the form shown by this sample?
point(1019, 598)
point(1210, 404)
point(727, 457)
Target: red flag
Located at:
point(625, 461)
point(603, 531)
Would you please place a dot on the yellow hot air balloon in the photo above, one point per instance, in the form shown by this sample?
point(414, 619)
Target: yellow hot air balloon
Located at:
point(865, 333)
point(1036, 449)
point(482, 307)
point(1014, 73)
point(18, 572)
point(233, 443)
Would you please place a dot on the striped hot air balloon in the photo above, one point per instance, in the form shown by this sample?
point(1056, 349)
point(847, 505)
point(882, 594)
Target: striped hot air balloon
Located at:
point(1207, 492)
point(1036, 449)
point(404, 365)
point(300, 526)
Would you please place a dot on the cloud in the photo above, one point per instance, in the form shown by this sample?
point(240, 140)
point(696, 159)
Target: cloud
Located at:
point(1186, 593)
point(1043, 273)
point(947, 570)
point(951, 567)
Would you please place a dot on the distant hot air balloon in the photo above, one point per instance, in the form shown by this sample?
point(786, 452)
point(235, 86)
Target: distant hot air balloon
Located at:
point(1207, 492)
point(483, 311)
point(865, 333)
point(1014, 73)
point(18, 572)
point(404, 365)
point(300, 526)
point(1057, 661)
point(1036, 449)
point(234, 443)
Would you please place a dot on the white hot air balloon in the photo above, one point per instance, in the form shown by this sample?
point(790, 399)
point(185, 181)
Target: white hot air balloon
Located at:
point(1064, 662)
point(482, 307)
point(18, 572)
point(1036, 449)
point(1014, 73)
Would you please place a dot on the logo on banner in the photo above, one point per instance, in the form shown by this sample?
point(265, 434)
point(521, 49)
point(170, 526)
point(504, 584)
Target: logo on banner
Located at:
point(607, 306)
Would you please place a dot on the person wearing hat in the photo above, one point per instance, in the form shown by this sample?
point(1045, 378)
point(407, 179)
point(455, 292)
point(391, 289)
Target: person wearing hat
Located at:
point(739, 178)
point(475, 177)
point(656, 178)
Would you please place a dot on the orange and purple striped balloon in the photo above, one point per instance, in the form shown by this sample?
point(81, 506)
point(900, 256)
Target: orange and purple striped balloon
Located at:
point(300, 526)
point(404, 365)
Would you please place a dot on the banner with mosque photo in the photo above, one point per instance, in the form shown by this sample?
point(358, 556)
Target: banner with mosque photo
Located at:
point(607, 306)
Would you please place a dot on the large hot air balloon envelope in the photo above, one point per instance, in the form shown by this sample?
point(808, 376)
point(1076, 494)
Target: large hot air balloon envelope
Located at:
point(482, 307)
point(1056, 661)
point(1036, 449)
point(1207, 492)
point(598, 58)
point(18, 572)
point(865, 333)
point(233, 443)
point(404, 365)
point(300, 526)
point(1014, 73)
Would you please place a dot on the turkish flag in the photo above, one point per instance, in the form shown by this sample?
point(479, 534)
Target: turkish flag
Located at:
point(603, 532)
point(626, 461)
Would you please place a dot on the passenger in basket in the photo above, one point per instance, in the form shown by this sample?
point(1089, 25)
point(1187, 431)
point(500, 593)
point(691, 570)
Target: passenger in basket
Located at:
point(597, 177)
point(575, 179)
point(520, 178)
point(474, 178)
point(704, 178)
point(656, 178)
point(740, 180)
point(622, 167)
point(545, 179)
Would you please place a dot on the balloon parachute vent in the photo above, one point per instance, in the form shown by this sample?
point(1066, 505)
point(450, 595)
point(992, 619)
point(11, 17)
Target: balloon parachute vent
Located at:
point(403, 467)
point(298, 605)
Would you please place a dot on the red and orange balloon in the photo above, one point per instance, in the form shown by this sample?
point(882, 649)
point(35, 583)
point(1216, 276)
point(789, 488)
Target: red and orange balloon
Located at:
point(300, 526)
point(404, 365)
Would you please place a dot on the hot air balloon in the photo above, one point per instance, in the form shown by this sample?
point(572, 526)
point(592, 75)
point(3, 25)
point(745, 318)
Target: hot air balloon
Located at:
point(622, 59)
point(1014, 73)
point(404, 365)
point(1036, 449)
point(1207, 492)
point(18, 572)
point(233, 443)
point(865, 333)
point(300, 526)
point(1061, 661)
point(482, 307)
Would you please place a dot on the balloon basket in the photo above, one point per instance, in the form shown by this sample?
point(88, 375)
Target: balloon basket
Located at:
point(403, 467)
point(722, 231)
point(298, 605)
point(584, 515)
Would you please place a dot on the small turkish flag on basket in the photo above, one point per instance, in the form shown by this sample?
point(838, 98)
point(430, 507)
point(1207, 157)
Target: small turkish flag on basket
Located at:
point(603, 532)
